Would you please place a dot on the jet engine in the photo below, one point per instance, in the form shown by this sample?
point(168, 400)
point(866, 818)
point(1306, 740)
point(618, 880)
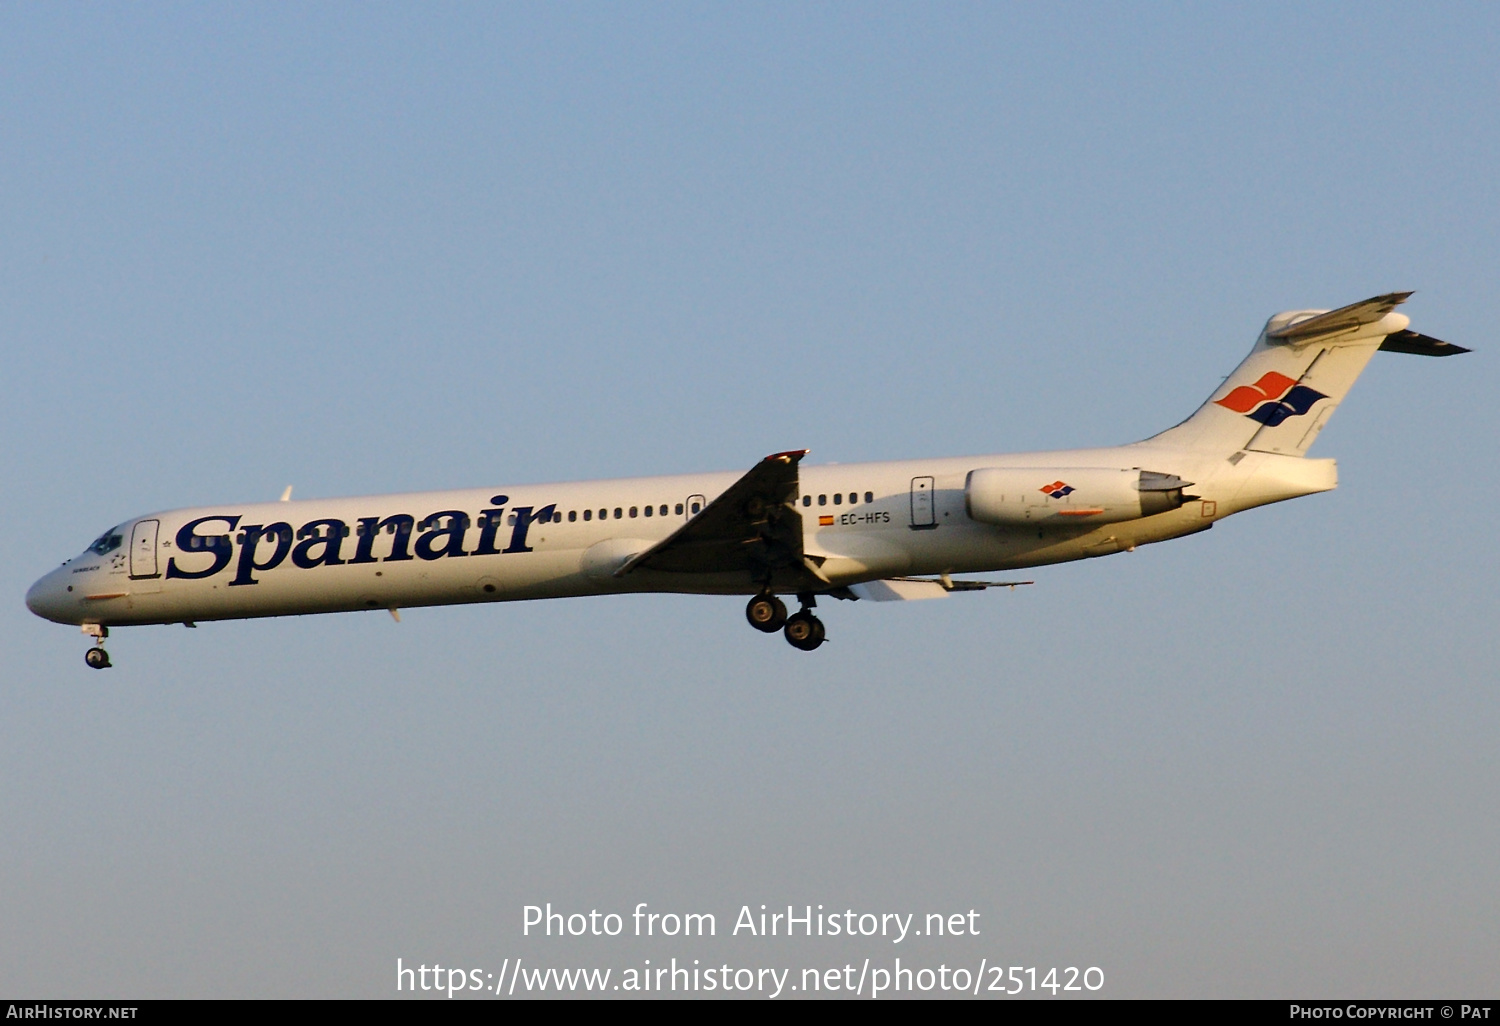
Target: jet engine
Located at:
point(1008, 496)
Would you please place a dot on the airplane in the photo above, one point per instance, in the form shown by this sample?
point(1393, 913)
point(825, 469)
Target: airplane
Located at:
point(886, 531)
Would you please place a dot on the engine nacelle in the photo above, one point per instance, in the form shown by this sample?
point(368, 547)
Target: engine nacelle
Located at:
point(1009, 496)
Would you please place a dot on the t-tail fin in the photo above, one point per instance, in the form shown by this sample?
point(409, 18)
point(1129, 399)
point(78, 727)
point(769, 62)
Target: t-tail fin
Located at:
point(1302, 366)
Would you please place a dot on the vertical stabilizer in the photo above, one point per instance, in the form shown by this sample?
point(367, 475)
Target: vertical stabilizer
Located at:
point(1281, 396)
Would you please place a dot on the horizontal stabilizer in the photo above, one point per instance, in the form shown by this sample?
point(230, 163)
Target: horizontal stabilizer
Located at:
point(1343, 319)
point(907, 589)
point(1419, 345)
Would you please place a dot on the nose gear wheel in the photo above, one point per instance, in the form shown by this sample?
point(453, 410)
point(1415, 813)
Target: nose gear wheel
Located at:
point(96, 657)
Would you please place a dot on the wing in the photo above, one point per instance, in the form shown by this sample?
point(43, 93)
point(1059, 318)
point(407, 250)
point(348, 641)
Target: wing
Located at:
point(753, 527)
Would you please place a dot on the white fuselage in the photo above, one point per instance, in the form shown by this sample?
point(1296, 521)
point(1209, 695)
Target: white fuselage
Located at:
point(862, 522)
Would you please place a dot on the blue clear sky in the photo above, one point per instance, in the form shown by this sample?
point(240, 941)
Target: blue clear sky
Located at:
point(368, 248)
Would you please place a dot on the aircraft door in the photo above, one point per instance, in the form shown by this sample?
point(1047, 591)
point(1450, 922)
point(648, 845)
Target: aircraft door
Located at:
point(695, 504)
point(923, 515)
point(143, 549)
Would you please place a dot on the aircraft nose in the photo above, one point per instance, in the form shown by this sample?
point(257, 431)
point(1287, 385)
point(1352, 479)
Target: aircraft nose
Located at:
point(49, 599)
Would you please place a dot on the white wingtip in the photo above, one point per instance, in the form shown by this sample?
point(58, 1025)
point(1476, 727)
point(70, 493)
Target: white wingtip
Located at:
point(286, 496)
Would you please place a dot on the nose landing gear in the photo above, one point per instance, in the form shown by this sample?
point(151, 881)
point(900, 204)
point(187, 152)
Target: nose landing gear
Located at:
point(97, 657)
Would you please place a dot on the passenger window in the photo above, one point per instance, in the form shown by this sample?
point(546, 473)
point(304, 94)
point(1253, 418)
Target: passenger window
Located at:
point(572, 515)
point(696, 508)
point(650, 511)
point(807, 500)
point(632, 512)
point(679, 509)
point(822, 500)
point(838, 498)
point(664, 509)
point(619, 512)
point(588, 514)
point(869, 496)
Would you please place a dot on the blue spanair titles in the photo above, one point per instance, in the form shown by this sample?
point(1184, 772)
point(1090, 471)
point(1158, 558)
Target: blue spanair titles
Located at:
point(326, 541)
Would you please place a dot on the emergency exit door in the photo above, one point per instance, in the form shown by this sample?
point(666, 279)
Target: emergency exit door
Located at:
point(923, 516)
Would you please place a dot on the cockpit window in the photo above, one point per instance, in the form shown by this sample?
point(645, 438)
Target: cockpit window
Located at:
point(107, 542)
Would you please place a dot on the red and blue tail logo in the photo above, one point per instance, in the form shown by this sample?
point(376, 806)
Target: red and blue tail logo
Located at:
point(1272, 399)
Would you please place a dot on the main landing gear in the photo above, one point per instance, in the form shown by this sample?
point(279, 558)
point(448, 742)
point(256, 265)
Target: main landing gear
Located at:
point(766, 613)
point(802, 629)
point(96, 657)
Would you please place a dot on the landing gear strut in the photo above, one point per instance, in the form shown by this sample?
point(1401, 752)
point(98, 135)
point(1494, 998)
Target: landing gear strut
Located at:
point(766, 613)
point(803, 630)
point(96, 657)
